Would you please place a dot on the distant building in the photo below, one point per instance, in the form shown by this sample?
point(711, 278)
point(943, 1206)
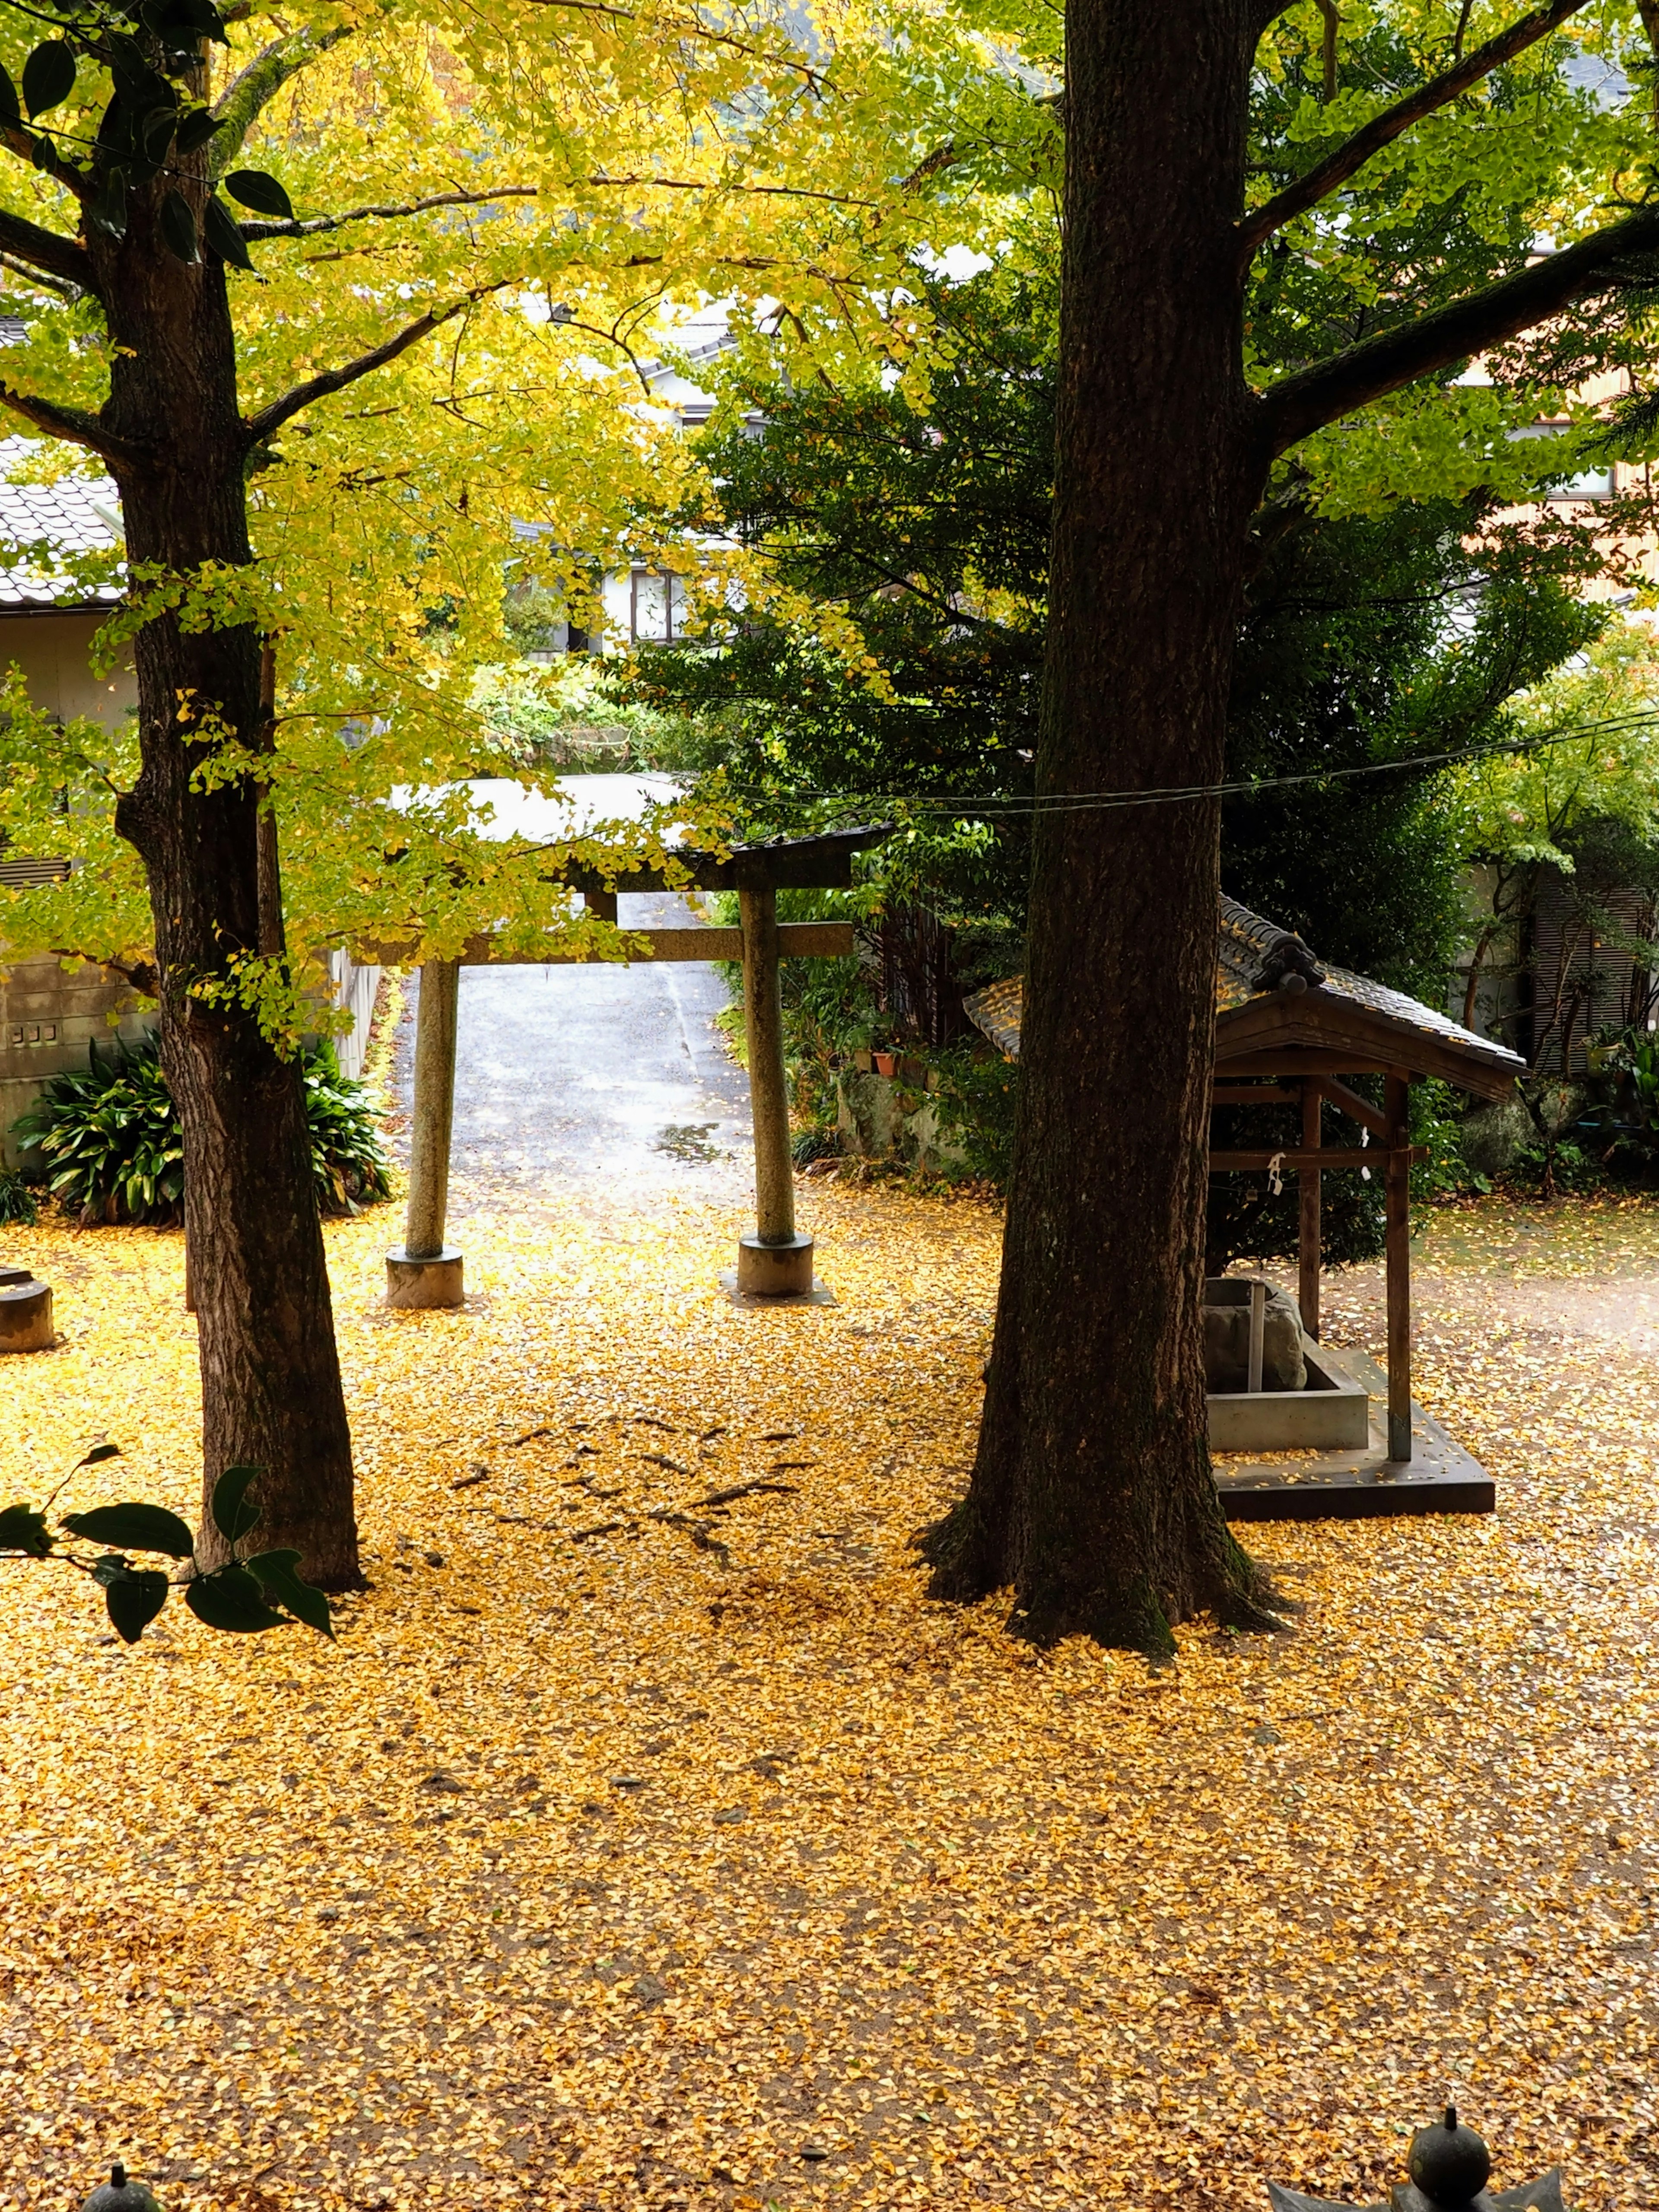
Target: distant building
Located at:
point(50, 1014)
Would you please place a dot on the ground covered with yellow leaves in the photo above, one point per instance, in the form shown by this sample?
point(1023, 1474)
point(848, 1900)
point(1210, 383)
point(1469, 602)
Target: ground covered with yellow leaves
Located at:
point(633, 1849)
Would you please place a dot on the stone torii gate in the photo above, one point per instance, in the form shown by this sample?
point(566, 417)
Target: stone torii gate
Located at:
point(774, 1259)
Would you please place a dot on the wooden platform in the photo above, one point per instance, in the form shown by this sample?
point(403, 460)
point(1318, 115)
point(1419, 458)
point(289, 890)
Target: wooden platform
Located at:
point(1357, 1485)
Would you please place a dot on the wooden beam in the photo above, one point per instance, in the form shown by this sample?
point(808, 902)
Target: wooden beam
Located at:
point(1397, 1217)
point(1327, 1156)
point(1254, 1094)
point(1307, 1224)
point(797, 940)
point(1283, 1059)
point(1356, 1108)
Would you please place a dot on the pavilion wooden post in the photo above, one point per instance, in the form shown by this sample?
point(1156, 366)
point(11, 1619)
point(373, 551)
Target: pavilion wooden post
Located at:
point(425, 1271)
point(775, 1260)
point(1397, 1216)
point(1308, 1195)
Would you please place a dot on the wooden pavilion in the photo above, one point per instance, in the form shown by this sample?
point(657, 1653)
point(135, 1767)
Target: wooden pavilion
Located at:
point(1292, 1030)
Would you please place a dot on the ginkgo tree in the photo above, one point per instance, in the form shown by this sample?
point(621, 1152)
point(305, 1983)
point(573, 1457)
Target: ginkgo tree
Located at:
point(337, 296)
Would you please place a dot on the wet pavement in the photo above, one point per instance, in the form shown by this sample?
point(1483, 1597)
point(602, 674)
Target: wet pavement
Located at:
point(601, 1074)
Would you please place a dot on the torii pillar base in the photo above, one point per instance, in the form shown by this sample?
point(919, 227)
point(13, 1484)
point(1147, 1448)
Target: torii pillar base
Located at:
point(431, 1284)
point(774, 1271)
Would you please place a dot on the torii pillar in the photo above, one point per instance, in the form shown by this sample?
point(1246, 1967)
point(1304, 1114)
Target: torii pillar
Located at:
point(424, 1272)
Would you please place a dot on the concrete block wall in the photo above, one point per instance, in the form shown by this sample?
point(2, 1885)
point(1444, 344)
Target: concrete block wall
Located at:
point(49, 1015)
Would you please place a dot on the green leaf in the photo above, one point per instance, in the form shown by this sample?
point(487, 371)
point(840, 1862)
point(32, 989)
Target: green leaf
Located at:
point(133, 1526)
point(109, 209)
point(224, 235)
point(98, 1452)
point(274, 1572)
point(198, 127)
point(133, 1599)
point(155, 132)
point(23, 1529)
point(229, 1599)
point(233, 1516)
point(255, 190)
point(48, 77)
point(179, 228)
point(11, 113)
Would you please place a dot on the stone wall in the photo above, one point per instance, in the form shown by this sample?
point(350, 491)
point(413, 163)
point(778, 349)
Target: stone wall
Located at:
point(49, 1014)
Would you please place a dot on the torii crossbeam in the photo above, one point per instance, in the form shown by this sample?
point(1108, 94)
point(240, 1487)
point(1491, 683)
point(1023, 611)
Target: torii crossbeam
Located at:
point(775, 1261)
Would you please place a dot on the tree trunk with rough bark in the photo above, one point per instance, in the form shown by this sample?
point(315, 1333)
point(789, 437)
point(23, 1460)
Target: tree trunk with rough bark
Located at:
point(1091, 1494)
point(271, 1378)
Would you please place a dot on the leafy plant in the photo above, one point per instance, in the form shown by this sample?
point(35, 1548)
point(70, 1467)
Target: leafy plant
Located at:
point(243, 1595)
point(113, 1147)
point(17, 1201)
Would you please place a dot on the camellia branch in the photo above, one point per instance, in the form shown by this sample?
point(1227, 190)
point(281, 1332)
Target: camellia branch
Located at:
point(1382, 130)
point(271, 419)
point(1291, 409)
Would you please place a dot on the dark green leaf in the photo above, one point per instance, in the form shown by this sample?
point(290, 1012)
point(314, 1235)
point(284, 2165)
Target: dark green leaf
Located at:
point(98, 1453)
point(44, 154)
point(23, 1529)
point(233, 1515)
point(109, 209)
point(198, 127)
point(220, 227)
point(200, 16)
point(179, 228)
point(133, 1599)
point(274, 1572)
point(155, 132)
point(229, 1599)
point(255, 190)
point(48, 77)
point(11, 113)
point(133, 1526)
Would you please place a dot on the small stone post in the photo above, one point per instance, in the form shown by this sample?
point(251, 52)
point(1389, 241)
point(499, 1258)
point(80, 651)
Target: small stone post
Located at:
point(426, 1273)
point(775, 1262)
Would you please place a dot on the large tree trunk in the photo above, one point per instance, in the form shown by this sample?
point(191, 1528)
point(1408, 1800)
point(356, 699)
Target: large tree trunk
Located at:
point(1092, 1494)
point(270, 1375)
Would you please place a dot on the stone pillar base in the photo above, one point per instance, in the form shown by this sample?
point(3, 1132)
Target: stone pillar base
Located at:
point(774, 1271)
point(423, 1286)
point(26, 1322)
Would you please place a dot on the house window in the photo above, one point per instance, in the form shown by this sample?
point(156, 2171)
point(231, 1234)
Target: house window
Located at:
point(657, 607)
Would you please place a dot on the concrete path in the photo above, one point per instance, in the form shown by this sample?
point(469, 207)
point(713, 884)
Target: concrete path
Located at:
point(613, 1078)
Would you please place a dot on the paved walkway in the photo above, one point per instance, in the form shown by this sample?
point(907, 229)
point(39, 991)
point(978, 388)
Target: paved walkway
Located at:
point(613, 1077)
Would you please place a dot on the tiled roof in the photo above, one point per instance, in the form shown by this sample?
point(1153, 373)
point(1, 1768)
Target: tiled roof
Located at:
point(65, 516)
point(1254, 956)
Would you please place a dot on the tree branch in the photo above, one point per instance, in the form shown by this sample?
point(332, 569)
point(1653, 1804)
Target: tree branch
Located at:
point(255, 87)
point(1382, 130)
point(1297, 405)
point(271, 419)
point(313, 224)
point(47, 251)
point(67, 422)
point(21, 143)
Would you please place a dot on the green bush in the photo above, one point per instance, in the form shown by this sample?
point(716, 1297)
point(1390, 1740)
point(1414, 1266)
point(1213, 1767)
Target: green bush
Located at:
point(113, 1150)
point(16, 1199)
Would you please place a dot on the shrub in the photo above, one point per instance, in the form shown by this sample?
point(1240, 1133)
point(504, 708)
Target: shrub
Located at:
point(113, 1150)
point(16, 1198)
